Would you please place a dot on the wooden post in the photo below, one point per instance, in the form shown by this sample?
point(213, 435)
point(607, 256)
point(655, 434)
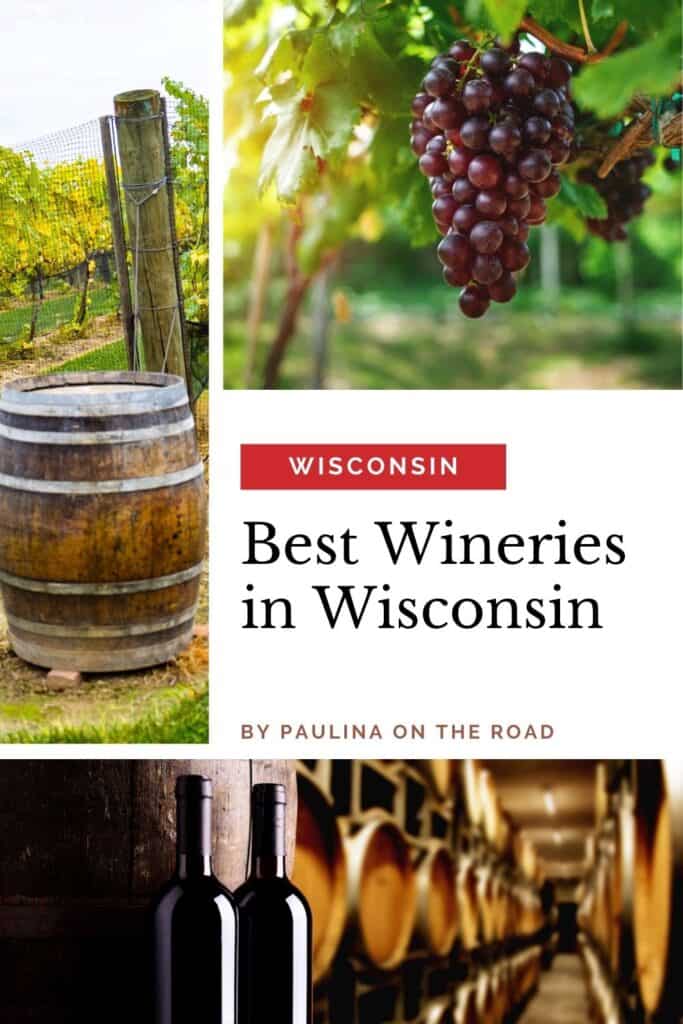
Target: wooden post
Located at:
point(322, 319)
point(550, 265)
point(257, 297)
point(170, 196)
point(119, 240)
point(156, 289)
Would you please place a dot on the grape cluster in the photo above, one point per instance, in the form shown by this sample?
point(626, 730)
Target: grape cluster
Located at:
point(624, 194)
point(490, 126)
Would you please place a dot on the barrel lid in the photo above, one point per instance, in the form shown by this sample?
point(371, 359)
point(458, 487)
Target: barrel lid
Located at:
point(96, 393)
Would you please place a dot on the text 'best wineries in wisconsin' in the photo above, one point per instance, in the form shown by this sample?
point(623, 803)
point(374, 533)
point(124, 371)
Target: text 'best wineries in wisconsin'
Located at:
point(437, 546)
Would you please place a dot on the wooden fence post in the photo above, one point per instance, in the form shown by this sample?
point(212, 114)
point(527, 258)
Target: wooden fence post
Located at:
point(119, 240)
point(156, 288)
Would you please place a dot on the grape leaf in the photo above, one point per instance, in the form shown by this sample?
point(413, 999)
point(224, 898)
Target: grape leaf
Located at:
point(288, 158)
point(236, 12)
point(584, 198)
point(505, 17)
point(652, 68)
point(283, 54)
point(308, 128)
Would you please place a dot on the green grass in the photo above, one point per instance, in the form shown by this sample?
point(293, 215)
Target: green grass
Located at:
point(54, 312)
point(418, 339)
point(186, 721)
point(108, 357)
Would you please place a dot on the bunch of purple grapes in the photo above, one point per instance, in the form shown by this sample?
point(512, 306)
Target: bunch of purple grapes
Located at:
point(490, 127)
point(624, 194)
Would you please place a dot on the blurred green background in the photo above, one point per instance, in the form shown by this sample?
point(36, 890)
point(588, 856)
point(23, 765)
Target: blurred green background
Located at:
point(587, 315)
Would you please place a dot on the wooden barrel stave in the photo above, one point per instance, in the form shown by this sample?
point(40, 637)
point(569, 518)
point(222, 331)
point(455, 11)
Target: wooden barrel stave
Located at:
point(103, 512)
point(381, 892)
point(437, 911)
point(468, 903)
point(320, 871)
point(658, 886)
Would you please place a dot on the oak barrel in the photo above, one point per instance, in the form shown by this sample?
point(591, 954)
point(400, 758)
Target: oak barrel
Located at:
point(658, 892)
point(436, 1011)
point(468, 903)
point(102, 519)
point(381, 891)
point(486, 998)
point(621, 884)
point(437, 909)
point(85, 846)
point(490, 807)
point(439, 773)
point(320, 871)
point(470, 785)
point(465, 1010)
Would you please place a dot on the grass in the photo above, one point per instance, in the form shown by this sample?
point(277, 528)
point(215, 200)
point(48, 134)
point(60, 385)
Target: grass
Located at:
point(108, 357)
point(183, 721)
point(417, 339)
point(54, 312)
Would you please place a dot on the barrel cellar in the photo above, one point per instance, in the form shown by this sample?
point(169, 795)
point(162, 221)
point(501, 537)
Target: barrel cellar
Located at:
point(494, 892)
point(544, 892)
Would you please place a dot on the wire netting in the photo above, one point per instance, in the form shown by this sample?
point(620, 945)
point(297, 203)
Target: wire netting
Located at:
point(59, 292)
point(56, 261)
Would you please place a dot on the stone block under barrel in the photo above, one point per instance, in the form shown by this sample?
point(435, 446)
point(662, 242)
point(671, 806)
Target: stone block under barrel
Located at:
point(102, 519)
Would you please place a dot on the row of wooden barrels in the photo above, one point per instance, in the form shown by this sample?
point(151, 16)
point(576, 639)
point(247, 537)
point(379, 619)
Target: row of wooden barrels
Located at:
point(470, 785)
point(380, 892)
point(632, 903)
point(490, 997)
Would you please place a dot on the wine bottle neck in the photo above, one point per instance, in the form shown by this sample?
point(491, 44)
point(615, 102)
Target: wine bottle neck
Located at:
point(268, 841)
point(193, 836)
point(193, 866)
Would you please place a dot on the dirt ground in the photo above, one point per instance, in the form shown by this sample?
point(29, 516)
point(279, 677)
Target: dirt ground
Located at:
point(28, 702)
point(52, 350)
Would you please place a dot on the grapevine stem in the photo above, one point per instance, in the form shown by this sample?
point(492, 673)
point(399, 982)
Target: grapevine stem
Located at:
point(637, 134)
point(590, 45)
point(574, 53)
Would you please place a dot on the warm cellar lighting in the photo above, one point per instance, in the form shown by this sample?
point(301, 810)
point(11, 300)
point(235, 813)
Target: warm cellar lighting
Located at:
point(549, 801)
point(557, 838)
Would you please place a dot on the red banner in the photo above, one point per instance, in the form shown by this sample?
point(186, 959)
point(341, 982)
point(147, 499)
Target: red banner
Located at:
point(373, 467)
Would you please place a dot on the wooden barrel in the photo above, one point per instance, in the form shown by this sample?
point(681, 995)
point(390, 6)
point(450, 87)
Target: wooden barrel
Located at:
point(470, 786)
point(320, 871)
point(490, 807)
point(486, 998)
point(524, 854)
point(488, 896)
point(602, 913)
point(601, 794)
point(468, 903)
point(530, 917)
point(102, 519)
point(658, 894)
point(439, 774)
point(86, 844)
point(465, 1010)
point(381, 891)
point(621, 892)
point(436, 923)
point(436, 1011)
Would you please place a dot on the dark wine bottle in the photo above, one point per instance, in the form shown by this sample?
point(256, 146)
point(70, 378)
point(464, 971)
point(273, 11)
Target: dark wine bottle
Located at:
point(274, 924)
point(194, 923)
